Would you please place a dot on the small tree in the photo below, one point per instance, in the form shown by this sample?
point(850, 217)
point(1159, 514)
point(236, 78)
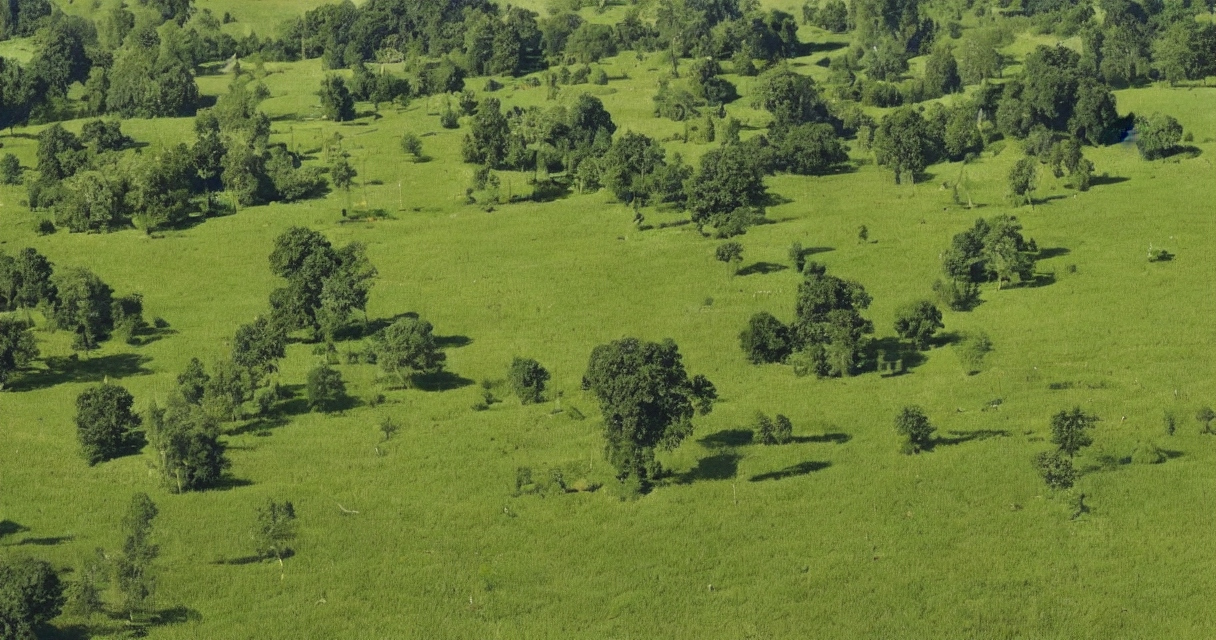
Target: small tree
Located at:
point(10, 169)
point(1157, 135)
point(412, 144)
point(275, 529)
point(1070, 430)
point(972, 351)
point(342, 174)
point(336, 101)
point(325, 389)
point(766, 339)
point(769, 431)
point(1022, 178)
point(17, 348)
point(797, 256)
point(914, 426)
point(407, 348)
point(185, 445)
point(527, 378)
point(1205, 416)
point(1056, 470)
point(105, 424)
point(30, 596)
point(133, 568)
point(730, 253)
point(917, 322)
point(389, 428)
point(863, 234)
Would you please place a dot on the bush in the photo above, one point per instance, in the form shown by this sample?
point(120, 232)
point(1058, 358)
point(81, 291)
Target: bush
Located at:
point(449, 119)
point(775, 431)
point(1055, 469)
point(325, 389)
point(972, 351)
point(30, 596)
point(412, 144)
point(599, 76)
point(105, 424)
point(914, 426)
point(766, 339)
point(527, 378)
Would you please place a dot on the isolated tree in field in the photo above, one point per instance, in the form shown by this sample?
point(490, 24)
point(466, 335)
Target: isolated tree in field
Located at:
point(324, 388)
point(31, 595)
point(342, 174)
point(10, 169)
point(730, 254)
point(797, 256)
point(186, 449)
point(527, 379)
point(1022, 180)
point(772, 431)
point(274, 529)
point(258, 346)
point(1070, 430)
point(133, 567)
point(1157, 135)
point(84, 307)
point(407, 348)
point(766, 339)
point(17, 348)
point(336, 101)
point(1205, 416)
point(1056, 470)
point(914, 426)
point(412, 144)
point(917, 322)
point(105, 423)
point(647, 401)
point(972, 351)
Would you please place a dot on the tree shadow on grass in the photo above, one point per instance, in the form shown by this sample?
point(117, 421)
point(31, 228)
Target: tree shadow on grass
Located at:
point(835, 437)
point(251, 559)
point(1053, 252)
point(800, 469)
point(761, 268)
point(228, 483)
point(8, 528)
point(727, 438)
point(721, 466)
point(119, 625)
point(946, 338)
point(891, 356)
point(440, 381)
point(959, 437)
point(71, 369)
point(452, 342)
point(45, 542)
point(1098, 181)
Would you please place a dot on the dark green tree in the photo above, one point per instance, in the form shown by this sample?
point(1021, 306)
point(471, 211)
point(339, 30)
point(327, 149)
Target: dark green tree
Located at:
point(17, 348)
point(1070, 430)
point(258, 346)
point(31, 595)
point(336, 101)
point(133, 567)
point(771, 431)
point(811, 150)
point(728, 179)
point(105, 423)
point(902, 143)
point(628, 168)
point(1157, 135)
point(828, 325)
point(1205, 416)
point(790, 97)
point(186, 449)
point(766, 339)
point(917, 322)
point(84, 306)
point(527, 379)
point(192, 383)
point(941, 73)
point(10, 169)
point(730, 254)
point(1022, 178)
point(274, 529)
point(912, 423)
point(647, 401)
point(1056, 470)
point(324, 388)
point(407, 348)
point(486, 142)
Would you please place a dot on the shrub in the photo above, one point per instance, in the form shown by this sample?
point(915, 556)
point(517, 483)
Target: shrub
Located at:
point(914, 426)
point(1055, 469)
point(527, 378)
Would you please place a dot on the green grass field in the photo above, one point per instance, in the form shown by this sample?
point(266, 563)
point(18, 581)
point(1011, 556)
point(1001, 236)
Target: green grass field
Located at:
point(836, 536)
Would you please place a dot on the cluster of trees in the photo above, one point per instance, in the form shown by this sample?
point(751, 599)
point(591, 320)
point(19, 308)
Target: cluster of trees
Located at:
point(325, 285)
point(73, 299)
point(991, 250)
point(648, 401)
point(826, 336)
point(1070, 433)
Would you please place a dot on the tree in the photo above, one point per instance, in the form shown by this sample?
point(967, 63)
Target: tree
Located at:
point(84, 306)
point(902, 143)
point(274, 529)
point(914, 426)
point(133, 568)
point(941, 73)
point(407, 348)
point(731, 254)
point(790, 97)
point(342, 174)
point(811, 150)
point(1205, 416)
point(192, 383)
point(1056, 470)
point(186, 449)
point(1157, 135)
point(527, 378)
point(323, 285)
point(33, 279)
point(1022, 178)
point(1070, 430)
point(766, 339)
point(412, 144)
point(325, 389)
point(17, 348)
point(486, 142)
point(728, 180)
point(972, 351)
point(1184, 51)
point(10, 169)
point(769, 431)
point(828, 325)
point(60, 154)
point(917, 322)
point(336, 101)
point(105, 424)
point(31, 595)
point(258, 346)
point(628, 168)
point(647, 401)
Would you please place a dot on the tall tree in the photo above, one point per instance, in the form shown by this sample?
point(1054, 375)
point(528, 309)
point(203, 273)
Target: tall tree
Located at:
point(902, 143)
point(133, 568)
point(647, 400)
point(918, 321)
point(336, 101)
point(106, 424)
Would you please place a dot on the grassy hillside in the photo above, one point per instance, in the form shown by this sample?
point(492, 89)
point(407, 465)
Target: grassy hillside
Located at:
point(836, 535)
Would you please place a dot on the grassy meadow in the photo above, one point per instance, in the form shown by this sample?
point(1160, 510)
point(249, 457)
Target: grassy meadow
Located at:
point(836, 535)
